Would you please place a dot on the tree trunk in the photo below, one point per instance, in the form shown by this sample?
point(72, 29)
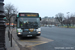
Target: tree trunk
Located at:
point(67, 25)
point(9, 24)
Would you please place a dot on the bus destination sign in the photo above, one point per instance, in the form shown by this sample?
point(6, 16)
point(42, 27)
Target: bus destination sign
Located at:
point(28, 14)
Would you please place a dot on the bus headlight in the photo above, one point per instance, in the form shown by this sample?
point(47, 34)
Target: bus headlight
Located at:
point(39, 32)
point(19, 33)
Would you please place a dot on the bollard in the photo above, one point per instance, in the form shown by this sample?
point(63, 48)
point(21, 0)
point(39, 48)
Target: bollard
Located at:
point(11, 40)
point(9, 35)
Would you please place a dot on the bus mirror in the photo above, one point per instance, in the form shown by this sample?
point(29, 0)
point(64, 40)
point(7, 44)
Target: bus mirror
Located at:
point(5, 19)
point(40, 18)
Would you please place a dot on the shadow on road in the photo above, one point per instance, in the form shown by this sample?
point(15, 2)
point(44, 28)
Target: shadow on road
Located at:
point(28, 38)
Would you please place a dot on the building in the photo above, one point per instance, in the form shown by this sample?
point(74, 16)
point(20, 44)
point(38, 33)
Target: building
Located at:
point(49, 21)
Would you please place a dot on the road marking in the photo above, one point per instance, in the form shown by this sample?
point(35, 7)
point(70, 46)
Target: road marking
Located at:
point(31, 41)
point(37, 44)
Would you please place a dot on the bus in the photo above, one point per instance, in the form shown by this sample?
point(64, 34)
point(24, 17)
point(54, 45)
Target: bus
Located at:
point(28, 24)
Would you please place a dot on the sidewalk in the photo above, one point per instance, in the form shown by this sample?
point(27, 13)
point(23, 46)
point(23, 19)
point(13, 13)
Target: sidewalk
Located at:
point(7, 43)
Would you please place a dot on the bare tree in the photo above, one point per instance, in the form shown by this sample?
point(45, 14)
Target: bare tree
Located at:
point(65, 21)
point(72, 19)
point(44, 21)
point(10, 11)
point(59, 17)
point(69, 20)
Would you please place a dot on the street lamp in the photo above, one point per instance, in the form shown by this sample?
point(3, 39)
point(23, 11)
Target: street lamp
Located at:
point(68, 19)
point(68, 14)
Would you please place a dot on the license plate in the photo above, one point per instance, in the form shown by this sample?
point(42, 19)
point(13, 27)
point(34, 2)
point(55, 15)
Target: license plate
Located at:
point(29, 35)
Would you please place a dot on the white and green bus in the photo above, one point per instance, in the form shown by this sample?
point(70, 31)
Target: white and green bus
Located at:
point(28, 25)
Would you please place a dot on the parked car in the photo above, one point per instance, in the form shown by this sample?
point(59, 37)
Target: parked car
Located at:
point(50, 25)
point(46, 25)
point(53, 25)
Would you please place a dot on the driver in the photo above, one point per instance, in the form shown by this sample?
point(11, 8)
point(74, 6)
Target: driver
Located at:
point(26, 24)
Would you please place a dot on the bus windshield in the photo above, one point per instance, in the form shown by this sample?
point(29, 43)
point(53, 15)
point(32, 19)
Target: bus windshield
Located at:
point(28, 23)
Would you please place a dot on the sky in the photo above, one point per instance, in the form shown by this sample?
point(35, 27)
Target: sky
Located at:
point(44, 7)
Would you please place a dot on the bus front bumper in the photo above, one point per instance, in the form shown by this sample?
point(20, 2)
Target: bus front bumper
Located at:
point(28, 34)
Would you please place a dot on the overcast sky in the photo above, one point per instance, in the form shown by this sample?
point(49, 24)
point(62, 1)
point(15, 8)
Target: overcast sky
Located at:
point(44, 7)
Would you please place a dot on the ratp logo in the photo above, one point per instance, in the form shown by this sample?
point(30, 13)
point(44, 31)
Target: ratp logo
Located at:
point(22, 14)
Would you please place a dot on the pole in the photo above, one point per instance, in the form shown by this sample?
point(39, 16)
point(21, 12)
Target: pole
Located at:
point(9, 34)
point(2, 26)
point(11, 40)
point(11, 37)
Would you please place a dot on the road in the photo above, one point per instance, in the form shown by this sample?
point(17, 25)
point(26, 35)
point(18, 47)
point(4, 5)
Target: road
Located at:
point(52, 38)
point(63, 38)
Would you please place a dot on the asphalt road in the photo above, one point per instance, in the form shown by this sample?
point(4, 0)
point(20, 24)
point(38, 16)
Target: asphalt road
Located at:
point(63, 39)
point(52, 38)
